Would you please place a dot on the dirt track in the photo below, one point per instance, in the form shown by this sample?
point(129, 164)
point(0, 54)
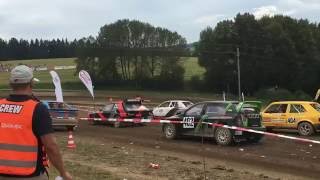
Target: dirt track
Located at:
point(276, 158)
point(272, 158)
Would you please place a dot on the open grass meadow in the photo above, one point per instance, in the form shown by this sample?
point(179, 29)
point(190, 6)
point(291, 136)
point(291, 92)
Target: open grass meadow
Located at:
point(192, 68)
point(69, 78)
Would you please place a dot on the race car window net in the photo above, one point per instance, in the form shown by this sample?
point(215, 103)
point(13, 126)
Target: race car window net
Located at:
point(297, 108)
point(165, 104)
point(316, 106)
point(277, 108)
point(195, 110)
point(187, 104)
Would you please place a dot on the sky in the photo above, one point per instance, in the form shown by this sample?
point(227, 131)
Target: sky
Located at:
point(48, 19)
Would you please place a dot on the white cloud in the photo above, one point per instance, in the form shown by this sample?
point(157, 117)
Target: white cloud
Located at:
point(271, 11)
point(301, 4)
point(265, 11)
point(76, 19)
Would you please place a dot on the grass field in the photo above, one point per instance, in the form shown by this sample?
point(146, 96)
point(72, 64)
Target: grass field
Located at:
point(192, 68)
point(70, 78)
point(55, 62)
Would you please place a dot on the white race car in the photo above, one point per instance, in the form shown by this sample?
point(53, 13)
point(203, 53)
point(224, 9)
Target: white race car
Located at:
point(169, 108)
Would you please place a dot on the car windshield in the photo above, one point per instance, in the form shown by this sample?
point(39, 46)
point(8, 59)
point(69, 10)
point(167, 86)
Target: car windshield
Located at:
point(316, 106)
point(132, 106)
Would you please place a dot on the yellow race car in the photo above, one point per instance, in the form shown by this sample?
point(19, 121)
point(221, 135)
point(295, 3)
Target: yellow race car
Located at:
point(301, 115)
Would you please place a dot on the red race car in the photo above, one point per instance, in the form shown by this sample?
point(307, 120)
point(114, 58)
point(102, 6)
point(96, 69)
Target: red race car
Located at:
point(123, 109)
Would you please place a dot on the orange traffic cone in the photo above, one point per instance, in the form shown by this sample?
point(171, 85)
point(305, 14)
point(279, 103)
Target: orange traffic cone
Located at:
point(71, 143)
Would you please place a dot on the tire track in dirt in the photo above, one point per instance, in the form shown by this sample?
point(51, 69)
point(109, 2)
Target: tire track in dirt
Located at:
point(272, 155)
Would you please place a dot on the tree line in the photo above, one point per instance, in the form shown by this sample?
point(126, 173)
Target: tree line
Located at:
point(15, 49)
point(275, 52)
point(135, 54)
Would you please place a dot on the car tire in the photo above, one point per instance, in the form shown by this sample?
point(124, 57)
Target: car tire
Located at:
point(170, 131)
point(223, 136)
point(255, 138)
point(305, 129)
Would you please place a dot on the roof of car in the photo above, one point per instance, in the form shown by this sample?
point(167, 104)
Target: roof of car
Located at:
point(292, 102)
point(178, 100)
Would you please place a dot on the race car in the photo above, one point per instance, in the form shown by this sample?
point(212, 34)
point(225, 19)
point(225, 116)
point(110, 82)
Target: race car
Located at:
point(300, 115)
point(122, 109)
point(240, 114)
point(169, 108)
point(62, 114)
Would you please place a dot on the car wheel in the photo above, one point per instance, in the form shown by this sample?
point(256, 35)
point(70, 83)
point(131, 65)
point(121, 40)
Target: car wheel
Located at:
point(305, 129)
point(255, 138)
point(170, 131)
point(223, 136)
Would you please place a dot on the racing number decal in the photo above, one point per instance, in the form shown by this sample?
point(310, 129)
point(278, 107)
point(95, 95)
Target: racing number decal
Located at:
point(291, 120)
point(188, 122)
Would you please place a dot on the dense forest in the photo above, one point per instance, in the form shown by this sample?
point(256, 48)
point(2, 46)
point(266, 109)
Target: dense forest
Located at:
point(15, 49)
point(275, 52)
point(137, 53)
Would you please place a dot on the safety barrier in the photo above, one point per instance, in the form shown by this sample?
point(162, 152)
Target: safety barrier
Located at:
point(212, 124)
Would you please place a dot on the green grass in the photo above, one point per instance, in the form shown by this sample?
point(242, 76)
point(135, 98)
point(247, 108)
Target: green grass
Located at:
point(192, 67)
point(54, 62)
point(66, 76)
point(70, 78)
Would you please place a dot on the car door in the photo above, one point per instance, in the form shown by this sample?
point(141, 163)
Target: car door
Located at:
point(276, 115)
point(213, 111)
point(191, 117)
point(106, 111)
point(161, 110)
point(296, 113)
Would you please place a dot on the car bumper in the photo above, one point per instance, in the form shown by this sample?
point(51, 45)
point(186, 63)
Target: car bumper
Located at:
point(245, 133)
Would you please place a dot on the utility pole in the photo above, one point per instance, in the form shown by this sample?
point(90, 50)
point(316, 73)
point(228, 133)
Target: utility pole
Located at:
point(238, 66)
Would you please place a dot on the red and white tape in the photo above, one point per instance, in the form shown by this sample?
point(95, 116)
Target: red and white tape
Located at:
point(213, 124)
point(266, 133)
point(132, 120)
